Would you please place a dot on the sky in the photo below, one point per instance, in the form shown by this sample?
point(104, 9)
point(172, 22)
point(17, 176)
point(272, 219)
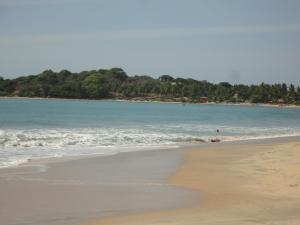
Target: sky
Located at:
point(238, 41)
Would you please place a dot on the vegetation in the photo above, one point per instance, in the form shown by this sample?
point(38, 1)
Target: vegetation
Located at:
point(115, 83)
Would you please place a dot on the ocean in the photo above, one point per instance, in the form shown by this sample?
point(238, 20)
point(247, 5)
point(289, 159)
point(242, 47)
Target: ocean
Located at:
point(42, 128)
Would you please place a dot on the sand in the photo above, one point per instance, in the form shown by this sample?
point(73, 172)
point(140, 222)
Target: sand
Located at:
point(70, 191)
point(251, 184)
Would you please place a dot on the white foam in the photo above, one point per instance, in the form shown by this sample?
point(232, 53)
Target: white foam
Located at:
point(18, 146)
point(12, 162)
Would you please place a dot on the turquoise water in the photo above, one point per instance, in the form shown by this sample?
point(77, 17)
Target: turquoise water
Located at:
point(54, 128)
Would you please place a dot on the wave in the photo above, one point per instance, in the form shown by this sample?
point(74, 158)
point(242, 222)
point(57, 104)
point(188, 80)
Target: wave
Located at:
point(59, 138)
point(18, 146)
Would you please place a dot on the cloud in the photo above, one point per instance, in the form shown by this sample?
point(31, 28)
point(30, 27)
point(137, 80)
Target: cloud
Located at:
point(150, 34)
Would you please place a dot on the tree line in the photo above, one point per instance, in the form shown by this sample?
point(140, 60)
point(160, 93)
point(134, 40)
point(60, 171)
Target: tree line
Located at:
point(115, 83)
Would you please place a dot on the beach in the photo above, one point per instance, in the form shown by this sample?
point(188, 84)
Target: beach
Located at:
point(70, 190)
point(149, 112)
point(246, 183)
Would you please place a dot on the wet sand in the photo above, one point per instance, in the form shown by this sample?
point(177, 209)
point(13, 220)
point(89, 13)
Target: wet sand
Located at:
point(255, 183)
point(251, 183)
point(62, 192)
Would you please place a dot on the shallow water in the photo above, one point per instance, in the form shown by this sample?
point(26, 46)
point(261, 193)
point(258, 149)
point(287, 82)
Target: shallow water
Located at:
point(33, 128)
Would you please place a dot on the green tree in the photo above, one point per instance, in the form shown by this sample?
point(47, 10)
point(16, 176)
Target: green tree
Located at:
point(95, 87)
point(166, 78)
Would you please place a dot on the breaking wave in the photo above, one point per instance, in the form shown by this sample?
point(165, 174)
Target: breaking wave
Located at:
point(18, 146)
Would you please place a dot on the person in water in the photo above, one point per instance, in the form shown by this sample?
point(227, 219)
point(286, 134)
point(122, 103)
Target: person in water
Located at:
point(216, 139)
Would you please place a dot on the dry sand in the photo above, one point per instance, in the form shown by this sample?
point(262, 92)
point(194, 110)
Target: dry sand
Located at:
point(251, 184)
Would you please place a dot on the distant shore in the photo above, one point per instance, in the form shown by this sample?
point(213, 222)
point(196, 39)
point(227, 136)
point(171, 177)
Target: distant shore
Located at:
point(146, 100)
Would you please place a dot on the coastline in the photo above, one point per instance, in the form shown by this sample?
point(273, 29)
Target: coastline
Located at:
point(236, 182)
point(201, 145)
point(73, 190)
point(292, 106)
point(245, 183)
point(32, 129)
point(195, 183)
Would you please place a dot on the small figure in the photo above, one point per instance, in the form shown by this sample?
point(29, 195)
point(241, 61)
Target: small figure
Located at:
point(216, 139)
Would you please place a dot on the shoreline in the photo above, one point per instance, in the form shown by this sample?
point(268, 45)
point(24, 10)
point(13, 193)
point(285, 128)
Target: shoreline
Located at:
point(208, 144)
point(180, 186)
point(245, 183)
point(284, 106)
point(75, 190)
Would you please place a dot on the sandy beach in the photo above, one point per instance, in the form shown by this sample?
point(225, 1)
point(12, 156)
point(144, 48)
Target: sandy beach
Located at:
point(69, 191)
point(148, 112)
point(158, 101)
point(251, 184)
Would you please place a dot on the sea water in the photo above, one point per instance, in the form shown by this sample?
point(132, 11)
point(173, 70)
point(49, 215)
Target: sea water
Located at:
point(37, 128)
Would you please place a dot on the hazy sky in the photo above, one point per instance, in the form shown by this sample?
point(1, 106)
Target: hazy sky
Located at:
point(244, 41)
